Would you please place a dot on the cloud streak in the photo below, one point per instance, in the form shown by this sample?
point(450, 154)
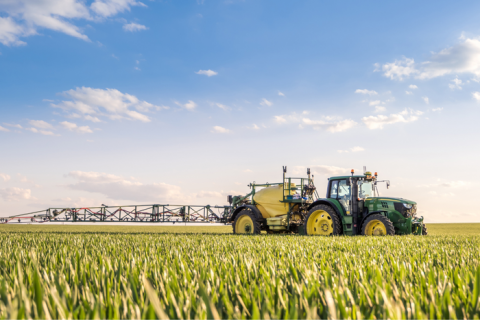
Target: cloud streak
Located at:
point(132, 27)
point(463, 57)
point(378, 122)
point(25, 18)
point(207, 73)
point(90, 103)
point(74, 127)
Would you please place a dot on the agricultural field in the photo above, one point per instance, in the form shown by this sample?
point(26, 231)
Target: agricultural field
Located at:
point(91, 272)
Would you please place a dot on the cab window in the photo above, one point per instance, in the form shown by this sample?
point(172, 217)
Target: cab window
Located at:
point(343, 189)
point(334, 189)
point(344, 195)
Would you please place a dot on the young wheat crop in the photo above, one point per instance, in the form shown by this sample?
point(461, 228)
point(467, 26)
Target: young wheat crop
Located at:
point(207, 276)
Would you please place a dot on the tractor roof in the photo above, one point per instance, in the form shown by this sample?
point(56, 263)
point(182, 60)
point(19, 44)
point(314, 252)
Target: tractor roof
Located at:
point(346, 177)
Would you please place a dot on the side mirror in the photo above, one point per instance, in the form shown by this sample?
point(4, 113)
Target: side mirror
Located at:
point(349, 182)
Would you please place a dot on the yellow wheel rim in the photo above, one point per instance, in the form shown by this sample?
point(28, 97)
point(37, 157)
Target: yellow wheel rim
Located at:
point(244, 225)
point(320, 223)
point(375, 228)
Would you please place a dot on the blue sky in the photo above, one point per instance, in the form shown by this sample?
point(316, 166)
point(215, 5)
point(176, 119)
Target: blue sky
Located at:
point(123, 101)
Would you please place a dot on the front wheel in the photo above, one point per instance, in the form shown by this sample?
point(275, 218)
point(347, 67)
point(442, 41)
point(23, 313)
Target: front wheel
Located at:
point(322, 220)
point(245, 222)
point(378, 225)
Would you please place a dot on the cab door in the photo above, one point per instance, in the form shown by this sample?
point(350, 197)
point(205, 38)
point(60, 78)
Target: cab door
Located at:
point(340, 191)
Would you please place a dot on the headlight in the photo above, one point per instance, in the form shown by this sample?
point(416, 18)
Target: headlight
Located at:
point(408, 206)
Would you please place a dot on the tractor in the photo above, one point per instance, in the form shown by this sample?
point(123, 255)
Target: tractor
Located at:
point(352, 206)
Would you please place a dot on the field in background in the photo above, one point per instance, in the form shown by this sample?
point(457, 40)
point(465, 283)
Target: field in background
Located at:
point(91, 272)
point(433, 229)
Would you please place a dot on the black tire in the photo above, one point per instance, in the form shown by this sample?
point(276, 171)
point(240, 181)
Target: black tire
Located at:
point(336, 223)
point(255, 224)
point(424, 230)
point(390, 229)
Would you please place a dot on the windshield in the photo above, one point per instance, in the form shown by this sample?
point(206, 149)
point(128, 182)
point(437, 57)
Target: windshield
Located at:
point(365, 189)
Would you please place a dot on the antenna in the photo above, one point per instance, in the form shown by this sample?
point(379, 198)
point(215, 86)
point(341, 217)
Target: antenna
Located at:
point(364, 169)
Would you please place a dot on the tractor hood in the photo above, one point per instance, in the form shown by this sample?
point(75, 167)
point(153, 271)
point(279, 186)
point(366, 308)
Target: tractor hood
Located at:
point(391, 199)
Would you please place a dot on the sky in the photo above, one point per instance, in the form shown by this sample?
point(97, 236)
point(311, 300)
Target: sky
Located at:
point(185, 102)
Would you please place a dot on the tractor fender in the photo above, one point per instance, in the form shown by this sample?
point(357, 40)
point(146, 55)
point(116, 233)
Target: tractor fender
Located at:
point(382, 212)
point(250, 207)
point(327, 202)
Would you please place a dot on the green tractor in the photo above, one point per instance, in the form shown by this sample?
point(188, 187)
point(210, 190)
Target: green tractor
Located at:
point(352, 206)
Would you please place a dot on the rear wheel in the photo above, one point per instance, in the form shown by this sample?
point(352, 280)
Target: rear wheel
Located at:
point(424, 230)
point(245, 222)
point(378, 225)
point(322, 220)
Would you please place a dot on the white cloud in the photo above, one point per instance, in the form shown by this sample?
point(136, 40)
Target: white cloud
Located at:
point(73, 127)
point(412, 86)
point(365, 91)
point(437, 109)
point(281, 94)
point(41, 124)
point(5, 177)
point(379, 109)
point(378, 122)
point(375, 102)
point(92, 103)
point(119, 188)
point(218, 129)
point(108, 8)
point(265, 102)
point(426, 100)
point(329, 124)
point(26, 17)
point(457, 84)
point(208, 72)
point(399, 69)
point(254, 127)
point(14, 125)
point(222, 106)
point(11, 31)
point(190, 105)
point(93, 119)
point(4, 129)
point(354, 149)
point(408, 92)
point(247, 170)
point(15, 194)
point(463, 57)
point(132, 27)
point(44, 132)
point(476, 95)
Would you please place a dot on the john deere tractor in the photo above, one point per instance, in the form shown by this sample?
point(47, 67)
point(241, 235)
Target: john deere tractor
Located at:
point(352, 206)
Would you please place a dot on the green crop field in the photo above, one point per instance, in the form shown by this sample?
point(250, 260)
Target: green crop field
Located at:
point(89, 272)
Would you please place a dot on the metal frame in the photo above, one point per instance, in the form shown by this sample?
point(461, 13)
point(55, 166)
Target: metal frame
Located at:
point(154, 213)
